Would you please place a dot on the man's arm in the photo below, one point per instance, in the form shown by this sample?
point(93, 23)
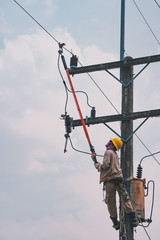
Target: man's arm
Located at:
point(106, 162)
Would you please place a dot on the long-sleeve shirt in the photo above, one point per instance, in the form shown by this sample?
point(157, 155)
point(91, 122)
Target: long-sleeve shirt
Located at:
point(110, 168)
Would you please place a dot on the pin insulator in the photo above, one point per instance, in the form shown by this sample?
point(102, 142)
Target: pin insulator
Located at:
point(73, 61)
point(139, 171)
point(68, 124)
point(93, 112)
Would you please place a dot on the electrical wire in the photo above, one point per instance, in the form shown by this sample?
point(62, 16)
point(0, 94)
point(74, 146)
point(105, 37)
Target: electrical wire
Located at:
point(150, 219)
point(146, 22)
point(79, 62)
point(144, 227)
point(80, 151)
point(84, 94)
point(151, 155)
point(119, 113)
point(157, 3)
point(67, 89)
point(122, 221)
point(40, 25)
point(146, 231)
point(63, 78)
point(100, 89)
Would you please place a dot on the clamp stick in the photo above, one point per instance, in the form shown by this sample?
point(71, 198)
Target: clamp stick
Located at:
point(78, 107)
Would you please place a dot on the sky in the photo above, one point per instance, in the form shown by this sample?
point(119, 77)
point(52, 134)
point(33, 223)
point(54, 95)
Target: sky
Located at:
point(44, 192)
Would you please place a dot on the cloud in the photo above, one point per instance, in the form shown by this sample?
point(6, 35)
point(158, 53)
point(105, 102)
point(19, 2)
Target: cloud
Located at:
point(4, 25)
point(46, 194)
point(51, 7)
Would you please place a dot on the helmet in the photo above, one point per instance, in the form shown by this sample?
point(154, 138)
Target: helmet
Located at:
point(117, 143)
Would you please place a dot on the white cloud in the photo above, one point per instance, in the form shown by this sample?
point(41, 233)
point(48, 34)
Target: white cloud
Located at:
point(34, 123)
point(4, 25)
point(61, 191)
point(38, 167)
point(51, 7)
point(94, 55)
point(50, 228)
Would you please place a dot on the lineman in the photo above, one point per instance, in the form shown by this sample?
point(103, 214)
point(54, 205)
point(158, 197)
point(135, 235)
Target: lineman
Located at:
point(111, 176)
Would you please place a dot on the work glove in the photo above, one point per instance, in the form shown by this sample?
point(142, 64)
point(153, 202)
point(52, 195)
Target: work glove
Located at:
point(93, 155)
point(97, 166)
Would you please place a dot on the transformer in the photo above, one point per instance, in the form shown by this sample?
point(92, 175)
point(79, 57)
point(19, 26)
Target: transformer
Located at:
point(139, 197)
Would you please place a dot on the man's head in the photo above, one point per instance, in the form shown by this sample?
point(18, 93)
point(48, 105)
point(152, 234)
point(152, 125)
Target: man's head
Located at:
point(117, 143)
point(114, 144)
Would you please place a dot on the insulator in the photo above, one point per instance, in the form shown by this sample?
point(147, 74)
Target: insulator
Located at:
point(139, 171)
point(93, 112)
point(68, 124)
point(73, 61)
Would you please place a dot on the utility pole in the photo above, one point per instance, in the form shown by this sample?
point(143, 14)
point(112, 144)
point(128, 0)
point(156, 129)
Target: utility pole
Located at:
point(126, 130)
point(122, 36)
point(126, 74)
point(127, 115)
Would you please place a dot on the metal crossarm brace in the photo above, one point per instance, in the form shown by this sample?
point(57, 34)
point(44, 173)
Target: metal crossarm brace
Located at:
point(126, 140)
point(126, 85)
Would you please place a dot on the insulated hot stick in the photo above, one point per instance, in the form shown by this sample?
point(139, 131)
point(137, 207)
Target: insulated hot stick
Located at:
point(78, 108)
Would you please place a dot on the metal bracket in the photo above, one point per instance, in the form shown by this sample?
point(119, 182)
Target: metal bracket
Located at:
point(126, 140)
point(126, 85)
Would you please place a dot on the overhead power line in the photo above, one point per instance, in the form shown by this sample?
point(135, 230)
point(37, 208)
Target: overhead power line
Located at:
point(63, 48)
point(157, 3)
point(36, 21)
point(40, 25)
point(81, 64)
point(103, 93)
point(147, 22)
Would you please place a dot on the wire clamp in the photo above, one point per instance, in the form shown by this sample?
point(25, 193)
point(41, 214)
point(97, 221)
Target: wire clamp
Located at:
point(65, 146)
point(68, 126)
point(61, 45)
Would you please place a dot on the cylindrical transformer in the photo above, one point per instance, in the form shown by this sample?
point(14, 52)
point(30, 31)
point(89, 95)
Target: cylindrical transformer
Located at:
point(139, 197)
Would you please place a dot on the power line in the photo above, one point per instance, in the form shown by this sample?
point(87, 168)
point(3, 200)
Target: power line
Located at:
point(119, 113)
point(36, 21)
point(146, 22)
point(101, 90)
point(148, 149)
point(63, 48)
point(70, 91)
point(40, 25)
point(58, 59)
point(80, 151)
point(150, 156)
point(80, 63)
point(157, 3)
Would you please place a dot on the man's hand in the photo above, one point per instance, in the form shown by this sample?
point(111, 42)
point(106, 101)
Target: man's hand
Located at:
point(97, 166)
point(93, 155)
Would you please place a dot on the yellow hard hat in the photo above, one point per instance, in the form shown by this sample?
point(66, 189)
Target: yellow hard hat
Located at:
point(117, 143)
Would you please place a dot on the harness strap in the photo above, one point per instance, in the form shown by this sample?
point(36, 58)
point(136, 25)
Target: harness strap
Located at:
point(116, 181)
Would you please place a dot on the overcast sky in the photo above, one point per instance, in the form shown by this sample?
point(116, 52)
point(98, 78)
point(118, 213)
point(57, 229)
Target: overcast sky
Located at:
point(45, 193)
